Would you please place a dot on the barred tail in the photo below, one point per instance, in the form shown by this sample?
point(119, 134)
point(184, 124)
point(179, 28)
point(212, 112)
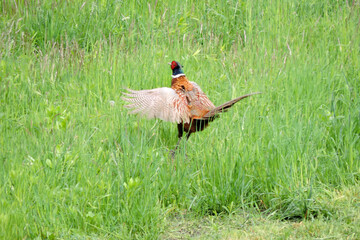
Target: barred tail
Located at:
point(224, 107)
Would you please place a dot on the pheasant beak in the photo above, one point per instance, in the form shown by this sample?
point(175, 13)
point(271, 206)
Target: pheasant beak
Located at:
point(169, 63)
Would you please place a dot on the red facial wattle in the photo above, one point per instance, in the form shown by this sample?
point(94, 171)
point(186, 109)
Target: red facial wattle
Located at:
point(173, 65)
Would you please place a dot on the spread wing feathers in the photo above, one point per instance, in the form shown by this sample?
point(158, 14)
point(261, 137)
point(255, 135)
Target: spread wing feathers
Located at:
point(224, 107)
point(204, 100)
point(162, 103)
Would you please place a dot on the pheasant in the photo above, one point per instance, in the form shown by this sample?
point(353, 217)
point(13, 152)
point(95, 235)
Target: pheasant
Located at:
point(184, 103)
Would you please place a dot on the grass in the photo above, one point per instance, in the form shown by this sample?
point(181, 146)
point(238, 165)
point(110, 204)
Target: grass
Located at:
point(74, 164)
point(249, 224)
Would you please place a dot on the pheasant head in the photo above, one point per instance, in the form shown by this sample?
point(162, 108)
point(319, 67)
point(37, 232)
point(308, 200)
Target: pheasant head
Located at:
point(176, 69)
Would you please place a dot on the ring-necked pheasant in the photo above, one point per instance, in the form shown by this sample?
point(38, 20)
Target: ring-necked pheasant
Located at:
point(184, 103)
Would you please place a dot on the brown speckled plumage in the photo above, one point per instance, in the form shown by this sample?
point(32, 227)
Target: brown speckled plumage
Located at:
point(184, 103)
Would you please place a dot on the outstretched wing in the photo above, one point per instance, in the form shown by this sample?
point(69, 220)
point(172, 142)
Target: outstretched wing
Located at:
point(201, 97)
point(162, 103)
point(199, 103)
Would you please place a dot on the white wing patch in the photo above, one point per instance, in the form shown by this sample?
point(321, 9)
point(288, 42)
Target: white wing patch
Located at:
point(163, 103)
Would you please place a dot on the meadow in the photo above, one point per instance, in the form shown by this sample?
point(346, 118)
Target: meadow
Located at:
point(284, 164)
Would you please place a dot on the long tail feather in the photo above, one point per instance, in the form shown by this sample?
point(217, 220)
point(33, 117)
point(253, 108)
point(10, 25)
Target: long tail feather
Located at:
point(224, 107)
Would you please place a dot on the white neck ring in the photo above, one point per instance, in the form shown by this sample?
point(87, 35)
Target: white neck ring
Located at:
point(178, 75)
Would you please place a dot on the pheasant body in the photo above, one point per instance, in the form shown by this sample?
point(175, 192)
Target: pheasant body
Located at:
point(184, 103)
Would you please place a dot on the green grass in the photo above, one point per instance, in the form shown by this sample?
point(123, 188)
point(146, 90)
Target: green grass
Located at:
point(240, 224)
point(74, 166)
